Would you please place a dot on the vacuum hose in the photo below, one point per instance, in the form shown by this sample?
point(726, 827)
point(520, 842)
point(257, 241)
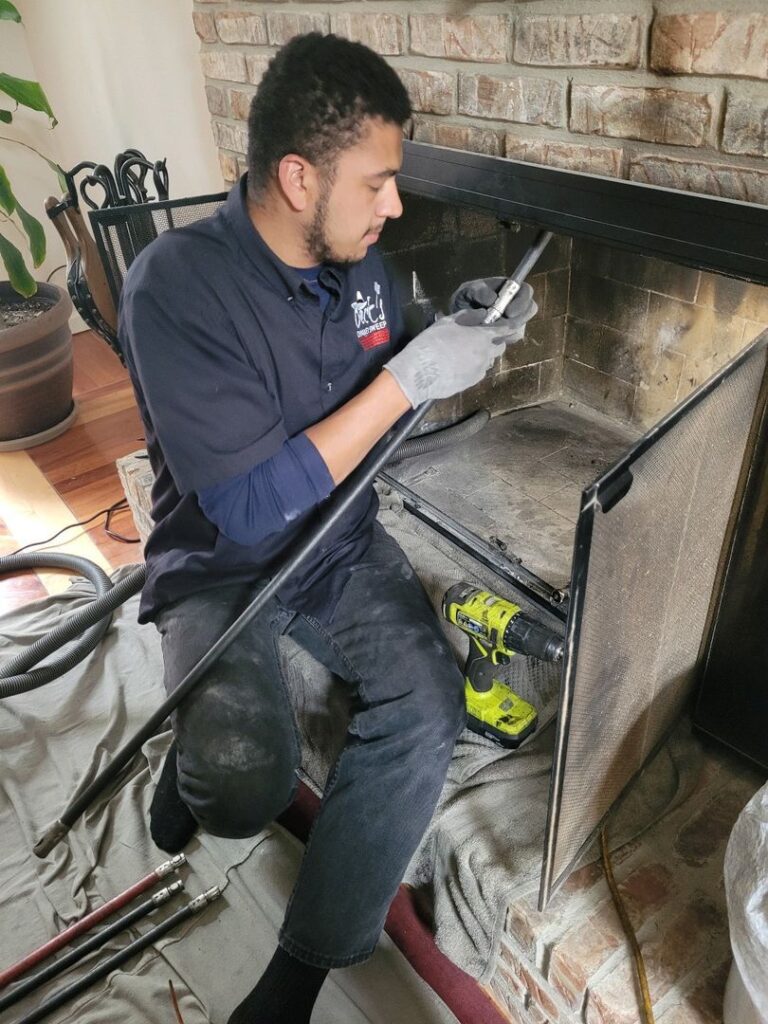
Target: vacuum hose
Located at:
point(436, 439)
point(15, 675)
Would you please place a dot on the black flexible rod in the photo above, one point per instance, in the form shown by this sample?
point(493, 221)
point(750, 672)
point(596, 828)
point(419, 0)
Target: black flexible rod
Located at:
point(94, 942)
point(101, 970)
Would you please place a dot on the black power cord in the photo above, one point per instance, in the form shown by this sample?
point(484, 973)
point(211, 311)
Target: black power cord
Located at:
point(118, 506)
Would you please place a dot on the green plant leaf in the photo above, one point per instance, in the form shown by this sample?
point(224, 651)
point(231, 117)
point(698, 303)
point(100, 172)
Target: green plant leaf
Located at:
point(57, 170)
point(8, 12)
point(7, 198)
point(6, 116)
point(29, 94)
point(35, 234)
point(20, 278)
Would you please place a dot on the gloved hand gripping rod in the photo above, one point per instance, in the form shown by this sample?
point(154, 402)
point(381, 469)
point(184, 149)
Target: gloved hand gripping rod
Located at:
point(348, 492)
point(511, 286)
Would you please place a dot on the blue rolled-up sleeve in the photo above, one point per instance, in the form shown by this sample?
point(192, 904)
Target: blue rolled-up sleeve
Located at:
point(254, 505)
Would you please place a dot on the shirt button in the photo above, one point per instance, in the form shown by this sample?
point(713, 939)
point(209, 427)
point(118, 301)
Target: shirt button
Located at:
point(329, 386)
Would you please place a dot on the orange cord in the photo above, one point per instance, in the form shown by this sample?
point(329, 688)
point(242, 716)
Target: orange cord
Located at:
point(628, 929)
point(175, 1001)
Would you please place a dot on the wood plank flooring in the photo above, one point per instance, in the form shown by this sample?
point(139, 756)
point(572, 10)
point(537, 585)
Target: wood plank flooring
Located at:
point(73, 476)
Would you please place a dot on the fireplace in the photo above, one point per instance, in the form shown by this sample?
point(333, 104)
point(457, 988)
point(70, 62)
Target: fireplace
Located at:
point(644, 294)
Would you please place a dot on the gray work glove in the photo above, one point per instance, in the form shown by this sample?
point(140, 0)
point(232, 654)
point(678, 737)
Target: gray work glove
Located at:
point(451, 355)
point(481, 294)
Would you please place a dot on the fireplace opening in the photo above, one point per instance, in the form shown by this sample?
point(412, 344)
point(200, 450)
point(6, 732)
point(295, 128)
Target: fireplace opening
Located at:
point(621, 340)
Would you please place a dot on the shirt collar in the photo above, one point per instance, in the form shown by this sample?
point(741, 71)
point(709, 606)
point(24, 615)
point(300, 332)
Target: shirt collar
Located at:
point(284, 278)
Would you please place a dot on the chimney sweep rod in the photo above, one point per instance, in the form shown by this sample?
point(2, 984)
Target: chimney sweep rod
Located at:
point(94, 942)
point(89, 921)
point(511, 286)
point(101, 970)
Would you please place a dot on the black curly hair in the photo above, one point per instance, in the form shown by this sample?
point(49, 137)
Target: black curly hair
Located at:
point(313, 100)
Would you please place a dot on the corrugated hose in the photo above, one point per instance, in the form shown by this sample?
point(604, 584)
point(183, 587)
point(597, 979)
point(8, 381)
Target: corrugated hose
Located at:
point(17, 675)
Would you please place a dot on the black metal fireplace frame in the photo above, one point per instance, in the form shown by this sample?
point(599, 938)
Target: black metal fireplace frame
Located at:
point(710, 233)
point(724, 236)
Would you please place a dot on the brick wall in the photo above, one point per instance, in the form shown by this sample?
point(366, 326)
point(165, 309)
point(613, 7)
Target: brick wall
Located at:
point(642, 334)
point(673, 93)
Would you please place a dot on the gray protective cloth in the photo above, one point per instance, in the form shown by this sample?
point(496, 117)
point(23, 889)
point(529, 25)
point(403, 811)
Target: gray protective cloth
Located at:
point(481, 851)
point(746, 889)
point(448, 357)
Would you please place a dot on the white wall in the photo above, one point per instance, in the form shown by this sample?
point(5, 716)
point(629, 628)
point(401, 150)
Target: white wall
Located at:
point(117, 75)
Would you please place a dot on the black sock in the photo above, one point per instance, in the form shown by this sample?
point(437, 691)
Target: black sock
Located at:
point(286, 993)
point(171, 823)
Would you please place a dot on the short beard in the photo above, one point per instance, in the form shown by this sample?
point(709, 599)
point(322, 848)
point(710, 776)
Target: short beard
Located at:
point(315, 236)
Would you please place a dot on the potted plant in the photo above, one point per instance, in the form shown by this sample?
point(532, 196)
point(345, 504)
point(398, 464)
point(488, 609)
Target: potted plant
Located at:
point(35, 340)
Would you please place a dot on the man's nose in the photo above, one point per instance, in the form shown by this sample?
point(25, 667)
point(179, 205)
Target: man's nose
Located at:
point(390, 205)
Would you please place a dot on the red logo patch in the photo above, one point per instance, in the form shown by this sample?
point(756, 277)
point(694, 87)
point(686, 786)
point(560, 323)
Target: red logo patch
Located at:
point(380, 337)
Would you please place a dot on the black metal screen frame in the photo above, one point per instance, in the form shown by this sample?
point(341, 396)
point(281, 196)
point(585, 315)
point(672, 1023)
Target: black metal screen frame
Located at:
point(724, 236)
point(606, 492)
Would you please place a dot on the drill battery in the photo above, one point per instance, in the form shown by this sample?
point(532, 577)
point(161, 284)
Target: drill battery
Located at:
point(497, 630)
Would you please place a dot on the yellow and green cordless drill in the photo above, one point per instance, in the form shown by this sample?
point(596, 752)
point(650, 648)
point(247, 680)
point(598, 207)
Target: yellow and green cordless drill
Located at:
point(497, 630)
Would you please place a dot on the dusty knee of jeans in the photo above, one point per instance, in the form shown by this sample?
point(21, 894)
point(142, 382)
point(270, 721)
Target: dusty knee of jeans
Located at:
point(441, 689)
point(443, 709)
point(244, 785)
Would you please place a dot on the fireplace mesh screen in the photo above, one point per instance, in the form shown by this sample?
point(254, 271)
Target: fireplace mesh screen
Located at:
point(644, 571)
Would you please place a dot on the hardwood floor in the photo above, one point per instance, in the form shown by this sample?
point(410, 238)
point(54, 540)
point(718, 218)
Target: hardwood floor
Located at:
point(72, 477)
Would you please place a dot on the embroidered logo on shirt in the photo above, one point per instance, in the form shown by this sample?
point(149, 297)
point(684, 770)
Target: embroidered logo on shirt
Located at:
point(370, 319)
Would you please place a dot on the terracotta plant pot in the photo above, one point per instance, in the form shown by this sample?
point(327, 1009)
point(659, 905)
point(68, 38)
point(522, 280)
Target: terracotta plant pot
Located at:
point(36, 371)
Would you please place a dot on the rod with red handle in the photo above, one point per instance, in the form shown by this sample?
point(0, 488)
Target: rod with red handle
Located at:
point(105, 967)
point(82, 949)
point(89, 921)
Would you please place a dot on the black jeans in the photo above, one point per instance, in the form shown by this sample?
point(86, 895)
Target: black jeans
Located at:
point(239, 750)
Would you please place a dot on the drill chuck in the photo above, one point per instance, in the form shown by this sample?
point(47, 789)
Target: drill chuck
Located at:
point(526, 636)
point(499, 624)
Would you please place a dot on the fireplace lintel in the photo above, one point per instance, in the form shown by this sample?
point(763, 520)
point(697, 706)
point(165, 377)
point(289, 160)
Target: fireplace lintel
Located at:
point(710, 233)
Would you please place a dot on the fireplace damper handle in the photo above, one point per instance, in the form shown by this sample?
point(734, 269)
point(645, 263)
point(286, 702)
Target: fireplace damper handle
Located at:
point(511, 286)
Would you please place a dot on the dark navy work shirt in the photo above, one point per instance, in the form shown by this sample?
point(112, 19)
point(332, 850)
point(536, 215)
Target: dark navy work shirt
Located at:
point(231, 352)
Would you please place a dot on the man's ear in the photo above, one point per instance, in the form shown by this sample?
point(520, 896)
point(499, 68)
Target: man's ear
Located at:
point(298, 181)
